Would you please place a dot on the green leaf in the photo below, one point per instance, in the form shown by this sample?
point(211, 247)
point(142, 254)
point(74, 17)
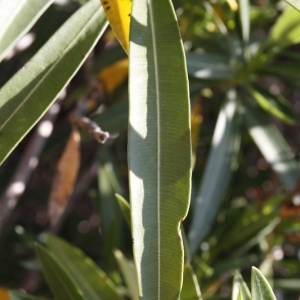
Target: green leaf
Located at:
point(16, 295)
point(240, 289)
point(275, 105)
point(190, 288)
point(244, 16)
point(287, 70)
point(61, 285)
point(260, 287)
point(286, 31)
point(129, 274)
point(159, 147)
point(92, 282)
point(221, 162)
point(209, 66)
point(16, 18)
point(125, 207)
point(294, 3)
point(272, 145)
point(27, 96)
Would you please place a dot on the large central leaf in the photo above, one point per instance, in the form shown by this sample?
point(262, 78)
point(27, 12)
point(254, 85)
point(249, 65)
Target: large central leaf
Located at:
point(159, 147)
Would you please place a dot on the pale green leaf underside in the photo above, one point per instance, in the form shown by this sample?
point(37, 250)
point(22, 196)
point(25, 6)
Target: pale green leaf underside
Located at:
point(159, 147)
point(16, 18)
point(260, 288)
point(218, 170)
point(240, 289)
point(26, 97)
point(93, 283)
point(294, 3)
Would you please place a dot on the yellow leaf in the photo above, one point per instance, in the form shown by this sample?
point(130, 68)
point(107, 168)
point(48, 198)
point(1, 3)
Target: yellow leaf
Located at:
point(112, 76)
point(4, 295)
point(118, 14)
point(64, 178)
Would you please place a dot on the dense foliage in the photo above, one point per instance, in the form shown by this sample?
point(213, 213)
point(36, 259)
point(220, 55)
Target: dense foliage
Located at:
point(177, 178)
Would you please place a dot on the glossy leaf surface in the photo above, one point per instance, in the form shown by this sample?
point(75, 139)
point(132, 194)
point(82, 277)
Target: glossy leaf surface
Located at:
point(159, 147)
point(27, 96)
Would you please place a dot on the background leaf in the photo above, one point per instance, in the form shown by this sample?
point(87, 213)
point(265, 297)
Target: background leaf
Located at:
point(61, 285)
point(274, 104)
point(129, 274)
point(190, 288)
point(26, 97)
point(272, 146)
point(16, 18)
point(222, 158)
point(92, 282)
point(240, 288)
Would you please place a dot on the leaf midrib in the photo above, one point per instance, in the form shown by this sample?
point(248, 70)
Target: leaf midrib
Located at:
point(153, 31)
point(50, 70)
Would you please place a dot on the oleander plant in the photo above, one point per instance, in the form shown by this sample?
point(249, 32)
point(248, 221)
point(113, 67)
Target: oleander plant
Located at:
point(149, 149)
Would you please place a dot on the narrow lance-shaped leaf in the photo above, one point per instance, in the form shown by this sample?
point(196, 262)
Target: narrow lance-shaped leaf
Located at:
point(16, 18)
point(274, 104)
point(159, 147)
point(92, 282)
point(260, 288)
point(273, 146)
point(209, 66)
point(286, 31)
point(190, 287)
point(118, 15)
point(240, 289)
point(26, 97)
point(221, 161)
point(244, 16)
point(129, 274)
point(125, 208)
point(61, 285)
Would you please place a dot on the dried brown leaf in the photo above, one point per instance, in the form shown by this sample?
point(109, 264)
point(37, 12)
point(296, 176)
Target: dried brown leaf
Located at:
point(64, 178)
